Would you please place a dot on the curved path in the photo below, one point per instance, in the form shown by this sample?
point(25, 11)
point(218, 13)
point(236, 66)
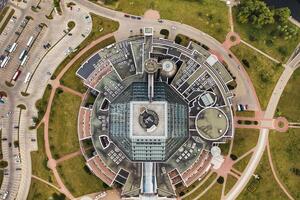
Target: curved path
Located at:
point(263, 136)
point(56, 84)
point(275, 175)
point(245, 86)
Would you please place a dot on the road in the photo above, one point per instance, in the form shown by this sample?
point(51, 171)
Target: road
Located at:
point(245, 92)
point(18, 178)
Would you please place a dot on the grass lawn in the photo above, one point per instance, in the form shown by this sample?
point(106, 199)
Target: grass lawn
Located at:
point(264, 39)
point(70, 79)
point(77, 177)
point(246, 113)
point(40, 190)
point(3, 13)
point(289, 105)
point(285, 148)
point(242, 164)
point(42, 103)
point(39, 159)
point(201, 188)
point(231, 180)
point(263, 72)
point(225, 148)
point(267, 188)
point(244, 140)
point(10, 14)
point(210, 16)
point(213, 193)
point(101, 26)
point(63, 124)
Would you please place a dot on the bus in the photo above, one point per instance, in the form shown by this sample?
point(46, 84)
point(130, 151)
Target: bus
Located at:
point(22, 55)
point(28, 76)
point(24, 61)
point(30, 41)
point(13, 47)
point(4, 61)
point(16, 75)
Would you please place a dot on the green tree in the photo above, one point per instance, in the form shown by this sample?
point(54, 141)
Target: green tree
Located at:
point(282, 15)
point(255, 12)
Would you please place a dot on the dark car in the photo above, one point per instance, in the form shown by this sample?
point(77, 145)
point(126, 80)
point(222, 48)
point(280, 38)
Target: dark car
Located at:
point(139, 18)
point(126, 15)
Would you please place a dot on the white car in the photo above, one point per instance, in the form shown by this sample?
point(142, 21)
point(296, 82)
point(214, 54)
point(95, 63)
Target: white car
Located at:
point(18, 160)
point(5, 194)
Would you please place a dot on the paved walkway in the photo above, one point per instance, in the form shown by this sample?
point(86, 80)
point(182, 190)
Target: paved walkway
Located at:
point(46, 182)
point(275, 175)
point(70, 90)
point(199, 185)
point(56, 84)
point(68, 156)
point(259, 51)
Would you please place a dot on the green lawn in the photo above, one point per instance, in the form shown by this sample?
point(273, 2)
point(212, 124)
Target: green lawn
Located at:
point(263, 72)
point(77, 177)
point(70, 79)
point(3, 13)
point(214, 193)
point(244, 140)
point(201, 188)
point(267, 188)
point(41, 191)
point(289, 105)
point(242, 164)
point(210, 16)
point(231, 180)
point(101, 26)
point(10, 14)
point(63, 136)
point(39, 159)
point(264, 39)
point(42, 103)
point(225, 148)
point(285, 148)
point(247, 113)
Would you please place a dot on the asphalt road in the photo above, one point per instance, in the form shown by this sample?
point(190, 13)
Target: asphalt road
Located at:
point(17, 182)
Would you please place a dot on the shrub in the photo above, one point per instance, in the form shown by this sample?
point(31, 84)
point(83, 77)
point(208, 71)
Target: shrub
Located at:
point(164, 32)
point(246, 63)
point(233, 157)
point(178, 39)
point(220, 180)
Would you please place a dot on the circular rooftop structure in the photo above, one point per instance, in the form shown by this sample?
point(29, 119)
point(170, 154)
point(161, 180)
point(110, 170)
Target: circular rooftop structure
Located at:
point(169, 68)
point(148, 119)
point(211, 123)
point(151, 66)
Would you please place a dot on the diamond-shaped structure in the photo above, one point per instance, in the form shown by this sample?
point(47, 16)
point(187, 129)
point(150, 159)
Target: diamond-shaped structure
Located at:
point(148, 131)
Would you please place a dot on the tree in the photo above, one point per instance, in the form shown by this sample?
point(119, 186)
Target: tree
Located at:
point(282, 15)
point(255, 12)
